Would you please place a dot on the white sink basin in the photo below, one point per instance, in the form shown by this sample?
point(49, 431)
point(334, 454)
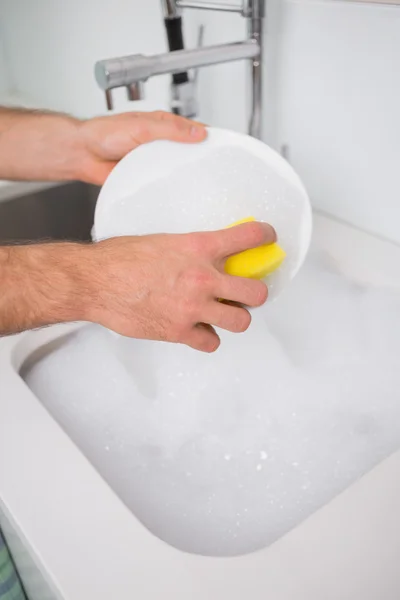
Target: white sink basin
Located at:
point(60, 516)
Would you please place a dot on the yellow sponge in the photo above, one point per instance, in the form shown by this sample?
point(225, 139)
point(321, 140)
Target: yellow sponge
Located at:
point(255, 263)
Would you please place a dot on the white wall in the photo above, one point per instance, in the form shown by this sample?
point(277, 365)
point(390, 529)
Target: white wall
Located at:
point(339, 107)
point(5, 82)
point(52, 46)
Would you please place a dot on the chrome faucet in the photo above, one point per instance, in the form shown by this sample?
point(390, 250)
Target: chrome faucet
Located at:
point(132, 71)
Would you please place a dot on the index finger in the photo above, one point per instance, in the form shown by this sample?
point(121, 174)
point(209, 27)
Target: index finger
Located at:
point(243, 237)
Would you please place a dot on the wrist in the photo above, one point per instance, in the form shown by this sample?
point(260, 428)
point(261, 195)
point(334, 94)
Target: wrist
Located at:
point(100, 280)
point(44, 284)
point(69, 295)
point(66, 280)
point(70, 154)
point(39, 146)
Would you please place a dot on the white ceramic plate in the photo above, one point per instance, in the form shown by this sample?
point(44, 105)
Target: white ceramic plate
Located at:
point(175, 188)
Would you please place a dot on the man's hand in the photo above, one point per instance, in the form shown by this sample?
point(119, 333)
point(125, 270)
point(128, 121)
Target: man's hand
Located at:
point(168, 287)
point(105, 140)
point(159, 287)
point(48, 146)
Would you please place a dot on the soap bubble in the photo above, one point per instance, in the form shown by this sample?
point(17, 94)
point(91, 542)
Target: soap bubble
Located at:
point(223, 454)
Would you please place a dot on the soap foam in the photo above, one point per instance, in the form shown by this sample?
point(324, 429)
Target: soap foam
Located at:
point(223, 454)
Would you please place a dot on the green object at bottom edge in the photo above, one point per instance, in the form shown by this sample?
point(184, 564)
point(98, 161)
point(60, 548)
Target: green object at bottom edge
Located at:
point(10, 586)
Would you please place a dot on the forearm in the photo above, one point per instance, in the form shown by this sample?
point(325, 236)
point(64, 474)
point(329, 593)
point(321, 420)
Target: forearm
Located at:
point(39, 146)
point(44, 284)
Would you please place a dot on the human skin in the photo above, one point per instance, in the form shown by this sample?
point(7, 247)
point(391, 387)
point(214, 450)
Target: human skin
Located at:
point(159, 287)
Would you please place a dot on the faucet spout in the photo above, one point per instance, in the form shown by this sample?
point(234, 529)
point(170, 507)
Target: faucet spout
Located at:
point(124, 71)
point(132, 71)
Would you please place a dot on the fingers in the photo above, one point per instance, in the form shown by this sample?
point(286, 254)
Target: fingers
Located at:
point(203, 338)
point(161, 115)
point(225, 242)
point(166, 126)
point(243, 237)
point(248, 292)
point(231, 318)
point(210, 246)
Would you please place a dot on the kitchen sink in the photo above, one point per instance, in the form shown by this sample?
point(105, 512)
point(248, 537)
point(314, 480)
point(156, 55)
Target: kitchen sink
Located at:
point(34, 212)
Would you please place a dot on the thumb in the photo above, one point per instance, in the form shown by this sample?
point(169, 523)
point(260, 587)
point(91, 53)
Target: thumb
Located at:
point(243, 237)
point(167, 126)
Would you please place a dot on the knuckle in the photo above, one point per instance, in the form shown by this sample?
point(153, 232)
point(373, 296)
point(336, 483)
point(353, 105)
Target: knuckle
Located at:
point(209, 344)
point(256, 232)
point(188, 309)
point(143, 130)
point(240, 322)
point(243, 322)
point(178, 332)
point(259, 293)
point(198, 278)
point(179, 121)
point(203, 338)
point(200, 243)
point(212, 243)
point(159, 114)
point(211, 347)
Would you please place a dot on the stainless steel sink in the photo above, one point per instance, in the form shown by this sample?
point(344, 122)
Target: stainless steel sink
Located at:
point(34, 212)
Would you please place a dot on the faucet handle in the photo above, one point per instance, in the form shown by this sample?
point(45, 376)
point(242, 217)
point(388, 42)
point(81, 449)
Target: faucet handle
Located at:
point(200, 43)
point(200, 35)
point(184, 94)
point(109, 99)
